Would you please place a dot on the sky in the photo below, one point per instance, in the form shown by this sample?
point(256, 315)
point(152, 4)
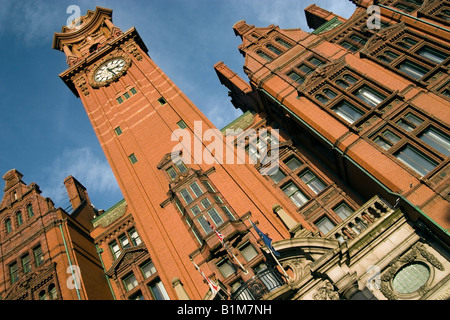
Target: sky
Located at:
point(45, 132)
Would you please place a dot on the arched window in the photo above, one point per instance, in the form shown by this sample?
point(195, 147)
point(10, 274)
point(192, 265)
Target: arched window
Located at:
point(265, 56)
point(274, 49)
point(8, 225)
point(43, 295)
point(52, 292)
point(283, 43)
point(19, 218)
point(30, 210)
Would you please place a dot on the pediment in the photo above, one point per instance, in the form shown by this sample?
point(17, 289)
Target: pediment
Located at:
point(128, 257)
point(378, 40)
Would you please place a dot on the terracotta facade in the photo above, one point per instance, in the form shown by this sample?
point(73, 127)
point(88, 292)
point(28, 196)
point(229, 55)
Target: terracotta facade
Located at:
point(360, 200)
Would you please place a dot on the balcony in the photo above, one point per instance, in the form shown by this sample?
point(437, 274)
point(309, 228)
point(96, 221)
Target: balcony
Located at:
point(360, 220)
point(262, 283)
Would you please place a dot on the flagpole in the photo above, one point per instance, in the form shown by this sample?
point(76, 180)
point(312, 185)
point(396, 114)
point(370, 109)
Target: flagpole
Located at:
point(220, 236)
point(271, 252)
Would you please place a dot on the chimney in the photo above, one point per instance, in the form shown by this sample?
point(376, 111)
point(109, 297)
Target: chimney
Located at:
point(76, 191)
point(12, 177)
point(316, 16)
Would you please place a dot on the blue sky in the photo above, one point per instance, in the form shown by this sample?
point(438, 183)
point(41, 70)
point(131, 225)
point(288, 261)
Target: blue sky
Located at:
point(45, 132)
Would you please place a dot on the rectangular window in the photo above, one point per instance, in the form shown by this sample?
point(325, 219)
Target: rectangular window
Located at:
point(296, 196)
point(119, 100)
point(217, 199)
point(349, 46)
point(208, 186)
point(312, 182)
point(325, 225)
point(409, 122)
point(134, 236)
point(412, 69)
point(14, 272)
point(181, 124)
point(277, 176)
point(186, 196)
point(197, 191)
point(38, 256)
point(293, 163)
point(162, 101)
point(315, 61)
point(172, 173)
point(196, 210)
point(347, 111)
point(118, 131)
point(132, 158)
point(228, 213)
point(181, 166)
point(126, 95)
point(432, 54)
point(387, 139)
point(226, 268)
point(415, 160)
point(248, 251)
point(133, 91)
point(158, 291)
point(115, 249)
point(26, 263)
point(437, 140)
point(124, 242)
point(148, 269)
point(343, 211)
point(215, 216)
point(369, 96)
point(205, 225)
point(206, 203)
point(305, 69)
point(130, 282)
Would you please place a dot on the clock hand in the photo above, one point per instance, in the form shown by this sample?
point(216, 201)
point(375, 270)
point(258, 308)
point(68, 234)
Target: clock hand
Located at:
point(111, 71)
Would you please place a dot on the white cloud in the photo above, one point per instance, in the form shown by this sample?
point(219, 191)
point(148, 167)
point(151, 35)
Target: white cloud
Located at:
point(90, 170)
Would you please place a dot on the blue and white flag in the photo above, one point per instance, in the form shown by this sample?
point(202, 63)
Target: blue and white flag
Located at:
point(267, 241)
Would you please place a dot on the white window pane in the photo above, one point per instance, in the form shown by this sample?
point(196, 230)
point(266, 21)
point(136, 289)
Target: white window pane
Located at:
point(215, 216)
point(412, 69)
point(369, 96)
point(343, 211)
point(415, 160)
point(325, 225)
point(348, 112)
point(432, 54)
point(437, 140)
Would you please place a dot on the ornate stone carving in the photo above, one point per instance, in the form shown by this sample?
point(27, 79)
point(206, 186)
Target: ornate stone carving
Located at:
point(397, 264)
point(80, 82)
point(326, 292)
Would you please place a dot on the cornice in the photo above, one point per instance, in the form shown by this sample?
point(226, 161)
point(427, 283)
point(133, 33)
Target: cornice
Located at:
point(77, 35)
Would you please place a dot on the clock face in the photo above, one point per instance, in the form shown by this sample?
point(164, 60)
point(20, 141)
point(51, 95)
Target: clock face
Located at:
point(110, 69)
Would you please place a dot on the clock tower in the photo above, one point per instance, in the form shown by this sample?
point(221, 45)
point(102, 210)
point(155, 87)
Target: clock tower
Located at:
point(135, 110)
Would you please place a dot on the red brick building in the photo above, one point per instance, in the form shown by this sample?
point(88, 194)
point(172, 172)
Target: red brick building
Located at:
point(363, 144)
point(46, 253)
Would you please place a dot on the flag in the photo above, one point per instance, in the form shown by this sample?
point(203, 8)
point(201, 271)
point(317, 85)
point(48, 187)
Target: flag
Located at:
point(218, 234)
point(267, 241)
point(214, 288)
